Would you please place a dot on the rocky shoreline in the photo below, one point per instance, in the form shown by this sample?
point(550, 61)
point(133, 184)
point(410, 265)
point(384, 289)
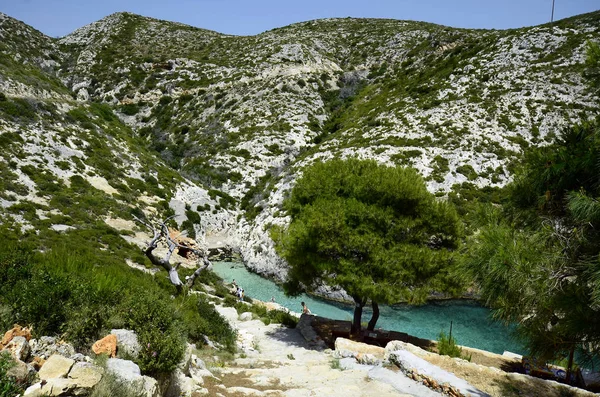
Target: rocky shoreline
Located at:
point(271, 360)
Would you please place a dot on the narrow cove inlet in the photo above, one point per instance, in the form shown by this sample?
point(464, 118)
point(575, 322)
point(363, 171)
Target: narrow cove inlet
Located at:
point(472, 324)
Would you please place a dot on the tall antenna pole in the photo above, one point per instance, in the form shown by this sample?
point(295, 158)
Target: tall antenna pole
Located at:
point(552, 17)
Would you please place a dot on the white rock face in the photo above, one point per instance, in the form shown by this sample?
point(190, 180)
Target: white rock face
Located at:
point(127, 340)
point(46, 346)
point(246, 316)
point(181, 385)
point(255, 111)
point(83, 95)
point(408, 361)
point(19, 347)
point(124, 369)
point(130, 373)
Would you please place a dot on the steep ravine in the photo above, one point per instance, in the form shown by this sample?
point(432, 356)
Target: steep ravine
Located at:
point(159, 116)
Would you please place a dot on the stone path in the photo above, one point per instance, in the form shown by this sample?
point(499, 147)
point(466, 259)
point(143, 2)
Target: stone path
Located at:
point(279, 362)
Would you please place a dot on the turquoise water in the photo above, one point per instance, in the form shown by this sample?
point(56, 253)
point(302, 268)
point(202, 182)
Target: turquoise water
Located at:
point(471, 326)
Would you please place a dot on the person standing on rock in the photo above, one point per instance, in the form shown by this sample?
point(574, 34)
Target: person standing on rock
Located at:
point(305, 309)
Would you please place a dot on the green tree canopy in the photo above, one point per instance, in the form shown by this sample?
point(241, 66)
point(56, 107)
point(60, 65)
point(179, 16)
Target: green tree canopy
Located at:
point(538, 264)
point(374, 231)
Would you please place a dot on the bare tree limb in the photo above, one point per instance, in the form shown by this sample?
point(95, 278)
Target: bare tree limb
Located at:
point(206, 265)
point(162, 233)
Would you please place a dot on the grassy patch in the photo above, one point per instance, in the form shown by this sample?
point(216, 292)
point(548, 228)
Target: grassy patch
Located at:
point(8, 385)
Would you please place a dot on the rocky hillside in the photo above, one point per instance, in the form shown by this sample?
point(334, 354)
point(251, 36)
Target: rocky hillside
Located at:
point(132, 113)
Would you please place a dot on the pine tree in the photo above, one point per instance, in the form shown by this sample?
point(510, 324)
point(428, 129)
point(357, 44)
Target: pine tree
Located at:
point(538, 263)
point(374, 231)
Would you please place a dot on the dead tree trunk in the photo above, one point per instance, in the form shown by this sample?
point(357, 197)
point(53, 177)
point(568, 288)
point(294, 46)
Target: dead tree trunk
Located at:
point(206, 265)
point(162, 233)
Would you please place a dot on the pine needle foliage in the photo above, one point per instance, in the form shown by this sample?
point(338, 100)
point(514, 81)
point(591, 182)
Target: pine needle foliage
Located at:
point(538, 262)
point(373, 230)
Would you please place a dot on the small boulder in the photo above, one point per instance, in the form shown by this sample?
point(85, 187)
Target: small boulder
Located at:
point(51, 387)
point(106, 345)
point(246, 316)
point(83, 95)
point(150, 386)
point(245, 391)
point(127, 341)
point(21, 372)
point(409, 363)
point(197, 362)
point(198, 370)
point(85, 375)
point(198, 375)
point(34, 390)
point(180, 385)
point(124, 369)
point(129, 372)
point(17, 330)
point(56, 366)
point(60, 387)
point(19, 347)
point(347, 348)
point(209, 342)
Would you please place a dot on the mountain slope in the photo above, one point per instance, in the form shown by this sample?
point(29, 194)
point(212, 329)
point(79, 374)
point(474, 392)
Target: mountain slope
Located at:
point(238, 118)
point(70, 171)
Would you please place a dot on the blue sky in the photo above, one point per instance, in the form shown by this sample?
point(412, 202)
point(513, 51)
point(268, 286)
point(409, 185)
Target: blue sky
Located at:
point(247, 17)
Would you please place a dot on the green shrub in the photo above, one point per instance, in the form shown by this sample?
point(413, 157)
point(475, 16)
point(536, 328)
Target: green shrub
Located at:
point(282, 317)
point(103, 111)
point(33, 301)
point(468, 171)
point(193, 218)
point(335, 364)
point(225, 200)
point(151, 314)
point(229, 300)
point(18, 109)
point(129, 109)
point(260, 311)
point(161, 350)
point(165, 99)
point(77, 114)
point(222, 291)
point(96, 293)
point(211, 324)
point(447, 347)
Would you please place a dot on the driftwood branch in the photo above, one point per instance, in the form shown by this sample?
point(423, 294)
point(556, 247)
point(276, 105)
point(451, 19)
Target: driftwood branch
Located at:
point(161, 232)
